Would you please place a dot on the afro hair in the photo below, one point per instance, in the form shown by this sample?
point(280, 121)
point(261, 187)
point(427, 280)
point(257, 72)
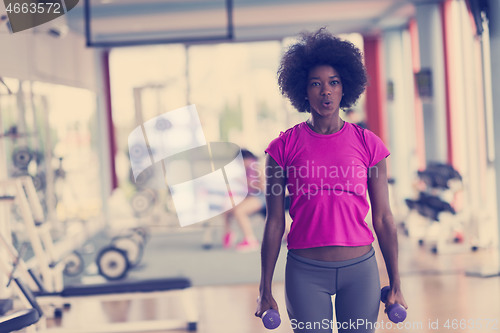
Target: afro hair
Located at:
point(315, 49)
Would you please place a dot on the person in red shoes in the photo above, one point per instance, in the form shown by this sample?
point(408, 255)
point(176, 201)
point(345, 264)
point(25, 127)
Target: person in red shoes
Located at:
point(252, 204)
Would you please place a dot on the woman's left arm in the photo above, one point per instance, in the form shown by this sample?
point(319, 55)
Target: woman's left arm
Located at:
point(383, 224)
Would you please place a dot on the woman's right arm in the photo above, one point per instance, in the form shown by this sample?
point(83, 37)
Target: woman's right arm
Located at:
point(273, 232)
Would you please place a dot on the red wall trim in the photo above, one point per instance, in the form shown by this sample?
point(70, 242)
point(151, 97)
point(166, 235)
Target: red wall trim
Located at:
point(418, 108)
point(449, 77)
point(375, 106)
point(109, 119)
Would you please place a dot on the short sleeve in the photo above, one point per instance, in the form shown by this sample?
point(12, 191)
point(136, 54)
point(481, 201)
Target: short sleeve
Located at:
point(276, 150)
point(376, 148)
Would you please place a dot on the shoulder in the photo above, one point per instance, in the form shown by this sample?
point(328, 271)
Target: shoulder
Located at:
point(289, 134)
point(371, 138)
point(282, 146)
point(364, 134)
point(356, 132)
point(375, 148)
point(356, 129)
point(295, 130)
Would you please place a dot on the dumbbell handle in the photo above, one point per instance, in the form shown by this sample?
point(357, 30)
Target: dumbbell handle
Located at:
point(271, 319)
point(396, 312)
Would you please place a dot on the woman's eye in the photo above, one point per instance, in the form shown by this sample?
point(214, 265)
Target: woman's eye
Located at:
point(334, 82)
point(315, 84)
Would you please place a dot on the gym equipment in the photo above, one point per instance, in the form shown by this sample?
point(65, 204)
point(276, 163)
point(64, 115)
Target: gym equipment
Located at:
point(143, 233)
point(125, 252)
point(73, 264)
point(430, 206)
point(396, 312)
point(140, 235)
point(438, 175)
point(178, 287)
point(5, 306)
point(271, 319)
point(18, 320)
point(48, 255)
point(431, 218)
point(142, 179)
point(16, 263)
point(21, 157)
point(143, 201)
point(138, 152)
point(112, 263)
point(133, 247)
point(22, 318)
point(39, 181)
point(59, 172)
point(25, 317)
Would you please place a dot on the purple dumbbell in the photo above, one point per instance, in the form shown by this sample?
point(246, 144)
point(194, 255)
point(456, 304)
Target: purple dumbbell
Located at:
point(396, 312)
point(271, 319)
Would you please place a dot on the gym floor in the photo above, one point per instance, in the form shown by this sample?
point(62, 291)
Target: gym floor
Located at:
point(441, 291)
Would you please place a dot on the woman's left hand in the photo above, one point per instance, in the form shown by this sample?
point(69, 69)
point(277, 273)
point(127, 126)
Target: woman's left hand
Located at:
point(395, 296)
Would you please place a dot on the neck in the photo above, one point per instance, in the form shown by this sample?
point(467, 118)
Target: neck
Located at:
point(325, 126)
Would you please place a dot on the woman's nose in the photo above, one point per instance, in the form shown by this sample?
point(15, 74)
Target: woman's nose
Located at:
point(326, 91)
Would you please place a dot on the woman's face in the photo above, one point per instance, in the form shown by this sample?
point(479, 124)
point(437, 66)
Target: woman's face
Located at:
point(324, 90)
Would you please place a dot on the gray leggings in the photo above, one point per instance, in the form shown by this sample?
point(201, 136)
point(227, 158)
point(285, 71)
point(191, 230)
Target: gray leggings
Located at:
point(310, 284)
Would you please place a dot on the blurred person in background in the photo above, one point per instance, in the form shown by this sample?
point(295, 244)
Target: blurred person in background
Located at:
point(254, 203)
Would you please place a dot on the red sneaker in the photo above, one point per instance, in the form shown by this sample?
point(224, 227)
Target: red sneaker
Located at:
point(228, 240)
point(248, 246)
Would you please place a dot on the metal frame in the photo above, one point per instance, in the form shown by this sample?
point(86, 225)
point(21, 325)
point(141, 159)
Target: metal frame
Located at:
point(185, 297)
point(24, 191)
point(229, 36)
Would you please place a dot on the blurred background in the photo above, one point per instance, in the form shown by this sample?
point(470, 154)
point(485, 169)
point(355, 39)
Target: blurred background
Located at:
point(73, 89)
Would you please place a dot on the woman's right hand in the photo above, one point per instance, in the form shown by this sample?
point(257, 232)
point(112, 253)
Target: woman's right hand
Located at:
point(264, 303)
point(273, 234)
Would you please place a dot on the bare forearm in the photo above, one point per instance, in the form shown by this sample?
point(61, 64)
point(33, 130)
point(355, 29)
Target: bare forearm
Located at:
point(271, 245)
point(388, 242)
point(275, 224)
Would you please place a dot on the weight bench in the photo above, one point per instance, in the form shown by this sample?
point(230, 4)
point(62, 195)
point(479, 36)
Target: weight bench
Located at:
point(109, 291)
point(22, 318)
point(18, 320)
point(132, 286)
point(127, 290)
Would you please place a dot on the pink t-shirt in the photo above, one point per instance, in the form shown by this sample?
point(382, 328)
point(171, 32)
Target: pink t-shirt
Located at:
point(327, 182)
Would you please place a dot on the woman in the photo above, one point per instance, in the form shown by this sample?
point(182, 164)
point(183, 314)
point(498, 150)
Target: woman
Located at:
point(327, 165)
point(252, 204)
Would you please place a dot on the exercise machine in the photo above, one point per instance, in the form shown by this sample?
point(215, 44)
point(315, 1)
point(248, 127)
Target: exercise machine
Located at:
point(73, 296)
point(432, 219)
